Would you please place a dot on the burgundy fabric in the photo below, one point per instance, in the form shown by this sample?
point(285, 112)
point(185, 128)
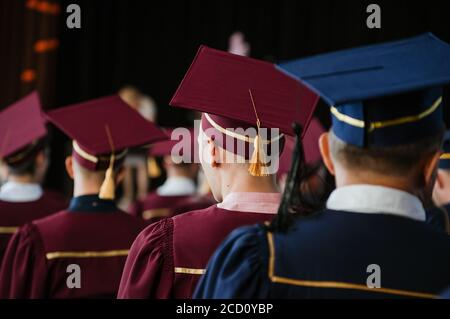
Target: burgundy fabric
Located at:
point(310, 147)
point(187, 240)
point(27, 273)
point(21, 124)
point(173, 204)
point(101, 165)
point(88, 123)
point(218, 82)
point(164, 148)
point(17, 214)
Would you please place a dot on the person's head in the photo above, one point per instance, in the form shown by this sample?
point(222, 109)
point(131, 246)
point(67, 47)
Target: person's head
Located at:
point(31, 169)
point(173, 169)
point(411, 166)
point(131, 95)
point(101, 143)
point(226, 171)
point(23, 152)
point(86, 181)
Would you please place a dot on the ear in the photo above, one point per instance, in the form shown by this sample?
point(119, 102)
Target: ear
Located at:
point(41, 158)
point(440, 181)
point(119, 175)
point(324, 146)
point(430, 168)
point(69, 166)
point(214, 153)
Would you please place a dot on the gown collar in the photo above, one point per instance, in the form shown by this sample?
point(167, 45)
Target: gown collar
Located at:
point(92, 203)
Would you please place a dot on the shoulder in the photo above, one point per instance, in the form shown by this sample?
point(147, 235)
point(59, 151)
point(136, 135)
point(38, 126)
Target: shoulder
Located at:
point(155, 234)
point(26, 236)
point(196, 214)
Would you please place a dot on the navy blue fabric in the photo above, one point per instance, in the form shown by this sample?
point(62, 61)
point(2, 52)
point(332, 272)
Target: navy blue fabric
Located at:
point(373, 71)
point(365, 83)
point(445, 163)
point(92, 203)
point(439, 217)
point(331, 246)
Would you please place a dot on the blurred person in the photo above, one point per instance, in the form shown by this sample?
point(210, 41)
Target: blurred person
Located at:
point(84, 246)
point(371, 241)
point(24, 162)
point(136, 160)
point(178, 194)
point(239, 161)
point(238, 45)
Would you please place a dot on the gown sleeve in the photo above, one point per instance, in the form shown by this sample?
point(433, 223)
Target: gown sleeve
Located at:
point(23, 273)
point(148, 271)
point(239, 267)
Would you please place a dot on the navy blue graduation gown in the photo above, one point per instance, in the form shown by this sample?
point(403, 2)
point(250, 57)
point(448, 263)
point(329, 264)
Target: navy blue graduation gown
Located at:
point(327, 256)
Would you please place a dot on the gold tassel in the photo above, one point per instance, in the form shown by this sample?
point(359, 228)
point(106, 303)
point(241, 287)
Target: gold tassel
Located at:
point(153, 169)
point(108, 188)
point(258, 160)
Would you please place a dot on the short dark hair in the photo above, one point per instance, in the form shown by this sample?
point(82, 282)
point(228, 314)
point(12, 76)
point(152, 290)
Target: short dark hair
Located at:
point(27, 167)
point(396, 160)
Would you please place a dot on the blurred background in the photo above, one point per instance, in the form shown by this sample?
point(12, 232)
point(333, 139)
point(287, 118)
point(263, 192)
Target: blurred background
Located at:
point(147, 46)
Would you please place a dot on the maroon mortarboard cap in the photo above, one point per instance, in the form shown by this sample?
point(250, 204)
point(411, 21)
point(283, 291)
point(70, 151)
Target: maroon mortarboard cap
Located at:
point(103, 127)
point(218, 83)
point(237, 92)
point(22, 126)
point(310, 147)
point(182, 143)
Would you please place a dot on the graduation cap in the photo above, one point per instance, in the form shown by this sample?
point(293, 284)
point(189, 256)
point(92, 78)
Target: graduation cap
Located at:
point(444, 161)
point(186, 150)
point(310, 146)
point(381, 95)
point(22, 128)
point(102, 131)
point(239, 92)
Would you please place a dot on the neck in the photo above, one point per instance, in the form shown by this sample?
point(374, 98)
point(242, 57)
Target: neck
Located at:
point(243, 182)
point(25, 179)
point(85, 187)
point(370, 178)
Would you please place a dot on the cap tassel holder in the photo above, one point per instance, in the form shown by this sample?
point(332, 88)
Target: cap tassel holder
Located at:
point(153, 169)
point(258, 160)
point(108, 188)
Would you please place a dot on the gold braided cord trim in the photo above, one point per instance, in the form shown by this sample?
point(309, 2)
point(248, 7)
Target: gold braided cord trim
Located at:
point(347, 119)
point(445, 156)
point(189, 271)
point(86, 254)
point(332, 284)
point(380, 124)
point(8, 230)
point(239, 136)
point(92, 158)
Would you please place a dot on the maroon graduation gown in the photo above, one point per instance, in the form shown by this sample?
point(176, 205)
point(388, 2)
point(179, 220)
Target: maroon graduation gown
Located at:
point(37, 258)
point(168, 257)
point(155, 207)
point(15, 214)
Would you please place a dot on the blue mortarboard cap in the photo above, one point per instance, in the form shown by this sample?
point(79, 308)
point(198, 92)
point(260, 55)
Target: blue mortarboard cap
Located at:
point(444, 161)
point(381, 95)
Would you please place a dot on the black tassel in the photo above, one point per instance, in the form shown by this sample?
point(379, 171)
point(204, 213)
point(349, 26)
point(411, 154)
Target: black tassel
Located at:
point(294, 203)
